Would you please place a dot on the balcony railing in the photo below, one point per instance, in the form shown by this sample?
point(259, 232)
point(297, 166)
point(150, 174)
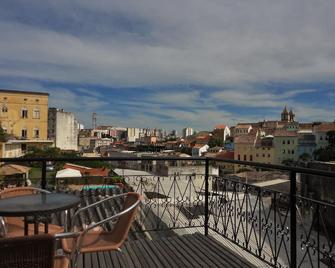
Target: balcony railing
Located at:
point(282, 227)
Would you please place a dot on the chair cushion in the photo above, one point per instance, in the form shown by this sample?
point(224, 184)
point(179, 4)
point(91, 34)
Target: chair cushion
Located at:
point(93, 241)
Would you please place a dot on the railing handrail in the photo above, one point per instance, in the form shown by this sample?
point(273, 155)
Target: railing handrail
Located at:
point(239, 162)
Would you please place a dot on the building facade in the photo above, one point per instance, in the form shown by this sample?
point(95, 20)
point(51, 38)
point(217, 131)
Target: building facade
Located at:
point(187, 132)
point(133, 134)
point(24, 117)
point(63, 129)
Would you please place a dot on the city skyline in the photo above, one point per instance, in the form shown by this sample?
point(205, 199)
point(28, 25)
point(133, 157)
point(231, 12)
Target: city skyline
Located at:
point(173, 65)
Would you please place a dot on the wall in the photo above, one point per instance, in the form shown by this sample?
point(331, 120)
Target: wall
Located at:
point(66, 131)
point(12, 121)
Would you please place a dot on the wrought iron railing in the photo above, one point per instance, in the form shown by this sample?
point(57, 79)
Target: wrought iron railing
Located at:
point(282, 228)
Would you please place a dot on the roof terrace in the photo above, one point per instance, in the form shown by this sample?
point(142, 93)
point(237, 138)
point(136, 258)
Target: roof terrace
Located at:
point(205, 220)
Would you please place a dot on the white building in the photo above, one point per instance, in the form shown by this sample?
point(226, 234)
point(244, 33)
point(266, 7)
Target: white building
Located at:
point(199, 149)
point(187, 132)
point(63, 129)
point(133, 134)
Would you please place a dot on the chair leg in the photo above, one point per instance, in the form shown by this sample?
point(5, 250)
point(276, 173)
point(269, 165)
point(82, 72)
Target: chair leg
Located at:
point(74, 259)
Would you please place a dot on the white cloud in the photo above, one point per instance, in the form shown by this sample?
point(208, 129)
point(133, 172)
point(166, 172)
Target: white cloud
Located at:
point(190, 41)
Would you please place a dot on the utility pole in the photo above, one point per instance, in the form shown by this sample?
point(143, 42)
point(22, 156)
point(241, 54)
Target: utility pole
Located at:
point(94, 120)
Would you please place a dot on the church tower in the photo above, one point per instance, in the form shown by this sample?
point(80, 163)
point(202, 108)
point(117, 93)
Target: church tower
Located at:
point(291, 116)
point(285, 116)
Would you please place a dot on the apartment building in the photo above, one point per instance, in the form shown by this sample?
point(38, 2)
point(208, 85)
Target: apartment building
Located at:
point(24, 117)
point(286, 146)
point(63, 128)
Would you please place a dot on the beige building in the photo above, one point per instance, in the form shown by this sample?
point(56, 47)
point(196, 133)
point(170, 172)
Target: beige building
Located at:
point(264, 150)
point(286, 146)
point(24, 117)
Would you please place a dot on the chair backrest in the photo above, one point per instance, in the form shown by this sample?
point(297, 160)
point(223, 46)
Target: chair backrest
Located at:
point(17, 191)
point(27, 251)
point(122, 226)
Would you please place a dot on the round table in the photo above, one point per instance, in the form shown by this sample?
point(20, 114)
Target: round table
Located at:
point(37, 205)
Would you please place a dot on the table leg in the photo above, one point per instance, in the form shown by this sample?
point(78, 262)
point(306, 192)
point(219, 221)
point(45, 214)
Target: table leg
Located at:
point(46, 227)
point(25, 226)
point(36, 224)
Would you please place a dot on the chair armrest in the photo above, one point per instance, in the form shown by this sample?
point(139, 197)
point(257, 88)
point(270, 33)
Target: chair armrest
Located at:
point(66, 235)
point(93, 205)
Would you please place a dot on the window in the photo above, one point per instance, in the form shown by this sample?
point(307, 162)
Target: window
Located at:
point(36, 133)
point(283, 151)
point(257, 155)
point(250, 157)
point(321, 138)
point(283, 142)
point(239, 157)
point(24, 133)
point(245, 157)
point(24, 113)
point(288, 142)
point(263, 155)
point(292, 151)
point(4, 108)
point(36, 113)
point(269, 155)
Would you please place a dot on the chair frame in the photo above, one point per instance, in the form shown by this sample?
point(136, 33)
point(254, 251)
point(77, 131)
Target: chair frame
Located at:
point(77, 245)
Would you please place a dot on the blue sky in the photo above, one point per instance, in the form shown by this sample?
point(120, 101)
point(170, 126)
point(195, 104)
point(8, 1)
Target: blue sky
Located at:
point(172, 64)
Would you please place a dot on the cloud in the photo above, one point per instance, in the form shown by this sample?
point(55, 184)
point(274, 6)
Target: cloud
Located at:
point(172, 63)
point(157, 42)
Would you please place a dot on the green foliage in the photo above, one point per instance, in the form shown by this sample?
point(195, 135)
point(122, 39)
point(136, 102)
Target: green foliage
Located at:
point(289, 162)
point(305, 157)
point(328, 153)
point(3, 135)
point(214, 142)
point(331, 138)
point(54, 152)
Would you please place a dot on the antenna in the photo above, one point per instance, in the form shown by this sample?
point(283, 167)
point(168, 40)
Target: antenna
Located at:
point(94, 120)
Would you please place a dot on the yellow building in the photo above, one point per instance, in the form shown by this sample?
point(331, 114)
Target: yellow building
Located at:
point(24, 117)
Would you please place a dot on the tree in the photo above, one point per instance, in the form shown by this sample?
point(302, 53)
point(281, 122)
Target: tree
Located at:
point(331, 138)
point(305, 157)
point(213, 142)
point(328, 153)
point(3, 135)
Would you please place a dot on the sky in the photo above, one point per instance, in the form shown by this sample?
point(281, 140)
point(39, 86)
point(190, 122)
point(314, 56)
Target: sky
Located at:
point(173, 64)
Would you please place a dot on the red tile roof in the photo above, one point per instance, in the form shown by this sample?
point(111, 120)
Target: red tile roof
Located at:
point(245, 139)
point(225, 155)
point(87, 171)
point(220, 126)
point(325, 127)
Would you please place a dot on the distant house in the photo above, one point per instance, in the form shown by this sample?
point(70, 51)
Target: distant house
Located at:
point(221, 132)
point(87, 171)
point(199, 149)
point(242, 129)
point(320, 132)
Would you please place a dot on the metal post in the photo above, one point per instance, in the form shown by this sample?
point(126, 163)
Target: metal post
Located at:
point(44, 175)
point(293, 219)
point(206, 196)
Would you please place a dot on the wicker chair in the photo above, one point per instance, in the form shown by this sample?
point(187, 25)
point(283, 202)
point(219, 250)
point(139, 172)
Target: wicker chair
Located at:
point(92, 240)
point(36, 251)
point(14, 226)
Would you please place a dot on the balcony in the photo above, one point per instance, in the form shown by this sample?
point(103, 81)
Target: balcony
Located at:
point(207, 220)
